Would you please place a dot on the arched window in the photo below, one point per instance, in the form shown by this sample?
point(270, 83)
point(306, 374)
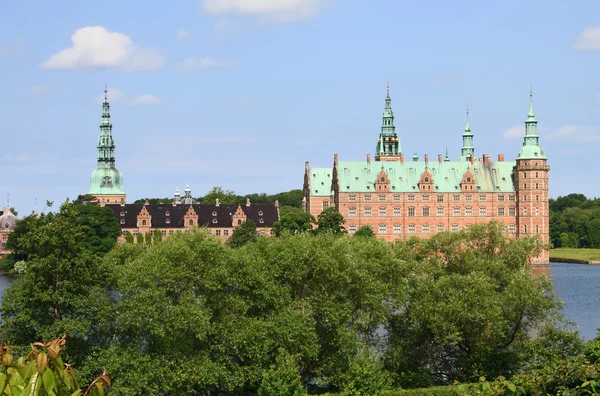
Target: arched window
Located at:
point(426, 180)
point(191, 222)
point(383, 179)
point(468, 180)
point(143, 222)
point(239, 222)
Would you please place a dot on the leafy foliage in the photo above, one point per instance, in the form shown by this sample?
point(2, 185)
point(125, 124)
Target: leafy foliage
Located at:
point(243, 234)
point(294, 223)
point(575, 221)
point(330, 221)
point(364, 231)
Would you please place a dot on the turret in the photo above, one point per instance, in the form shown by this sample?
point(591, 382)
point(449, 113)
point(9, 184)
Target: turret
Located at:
point(467, 137)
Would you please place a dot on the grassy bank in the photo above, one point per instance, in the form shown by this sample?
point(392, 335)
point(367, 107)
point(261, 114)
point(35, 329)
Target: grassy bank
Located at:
point(576, 254)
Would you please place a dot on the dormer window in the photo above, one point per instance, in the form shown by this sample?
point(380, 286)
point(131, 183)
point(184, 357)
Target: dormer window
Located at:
point(260, 213)
point(261, 220)
point(122, 221)
point(214, 221)
point(191, 222)
point(122, 213)
point(168, 221)
point(167, 213)
point(214, 213)
point(143, 222)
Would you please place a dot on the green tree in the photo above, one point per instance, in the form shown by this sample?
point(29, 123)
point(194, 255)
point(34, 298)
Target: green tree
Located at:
point(364, 231)
point(282, 378)
point(16, 245)
point(294, 223)
point(224, 196)
point(158, 236)
point(330, 221)
point(129, 237)
point(148, 238)
point(593, 236)
point(63, 290)
point(139, 238)
point(243, 234)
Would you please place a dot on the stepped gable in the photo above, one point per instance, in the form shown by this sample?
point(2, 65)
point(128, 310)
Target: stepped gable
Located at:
point(207, 213)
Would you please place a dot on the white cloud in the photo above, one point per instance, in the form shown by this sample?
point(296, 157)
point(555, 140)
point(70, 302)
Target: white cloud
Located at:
point(589, 39)
point(514, 132)
point(576, 133)
point(275, 10)
point(96, 47)
point(192, 64)
point(183, 35)
point(145, 100)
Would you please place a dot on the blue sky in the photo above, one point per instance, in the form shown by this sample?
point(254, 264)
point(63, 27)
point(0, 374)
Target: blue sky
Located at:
point(240, 93)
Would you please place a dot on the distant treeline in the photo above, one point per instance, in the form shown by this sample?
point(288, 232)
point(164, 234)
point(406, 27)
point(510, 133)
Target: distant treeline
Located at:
point(291, 198)
point(575, 222)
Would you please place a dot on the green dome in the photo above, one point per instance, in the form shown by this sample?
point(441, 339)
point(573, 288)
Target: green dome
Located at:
point(106, 181)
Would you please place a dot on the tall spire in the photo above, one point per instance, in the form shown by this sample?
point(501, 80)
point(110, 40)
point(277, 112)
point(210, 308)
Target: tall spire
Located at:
point(106, 179)
point(467, 148)
point(388, 144)
point(531, 148)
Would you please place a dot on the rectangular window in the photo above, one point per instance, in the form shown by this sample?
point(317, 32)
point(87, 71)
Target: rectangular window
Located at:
point(500, 211)
point(367, 211)
point(425, 212)
point(411, 198)
point(468, 198)
point(440, 198)
point(468, 211)
point(411, 228)
point(382, 229)
point(218, 232)
point(411, 211)
point(226, 232)
point(440, 211)
point(440, 228)
point(396, 228)
point(396, 212)
point(352, 229)
point(511, 198)
point(382, 198)
point(456, 211)
point(382, 211)
point(325, 204)
point(500, 198)
point(482, 212)
point(537, 229)
point(537, 211)
point(511, 211)
point(537, 198)
point(352, 211)
point(352, 197)
point(454, 227)
point(425, 228)
point(368, 198)
point(482, 198)
point(524, 211)
point(170, 232)
point(457, 198)
point(425, 198)
point(151, 232)
point(512, 228)
point(524, 197)
point(397, 198)
point(525, 228)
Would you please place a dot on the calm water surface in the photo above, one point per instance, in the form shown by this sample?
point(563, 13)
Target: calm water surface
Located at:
point(578, 285)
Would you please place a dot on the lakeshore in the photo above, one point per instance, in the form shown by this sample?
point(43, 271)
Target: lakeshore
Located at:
point(575, 256)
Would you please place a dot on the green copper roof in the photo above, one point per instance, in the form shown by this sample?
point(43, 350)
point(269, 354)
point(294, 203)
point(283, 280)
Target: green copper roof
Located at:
point(106, 179)
point(359, 176)
point(531, 142)
point(388, 143)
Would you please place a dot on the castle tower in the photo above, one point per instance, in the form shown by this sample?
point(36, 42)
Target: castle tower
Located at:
point(388, 145)
point(531, 185)
point(106, 182)
point(467, 148)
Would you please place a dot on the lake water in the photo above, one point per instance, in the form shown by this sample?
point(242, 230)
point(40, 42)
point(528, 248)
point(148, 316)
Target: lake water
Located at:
point(578, 285)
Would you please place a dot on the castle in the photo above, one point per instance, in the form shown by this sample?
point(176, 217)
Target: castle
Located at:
point(106, 186)
point(402, 197)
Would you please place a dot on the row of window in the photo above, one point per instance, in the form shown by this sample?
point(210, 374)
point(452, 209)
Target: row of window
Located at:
point(428, 212)
point(191, 221)
point(524, 175)
point(424, 198)
point(382, 229)
point(171, 232)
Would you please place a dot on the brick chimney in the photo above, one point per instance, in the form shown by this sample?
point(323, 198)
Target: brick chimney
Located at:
point(277, 202)
point(368, 158)
point(500, 157)
point(401, 158)
point(146, 202)
point(247, 201)
point(217, 203)
point(427, 158)
point(486, 159)
point(335, 158)
point(440, 158)
point(472, 158)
